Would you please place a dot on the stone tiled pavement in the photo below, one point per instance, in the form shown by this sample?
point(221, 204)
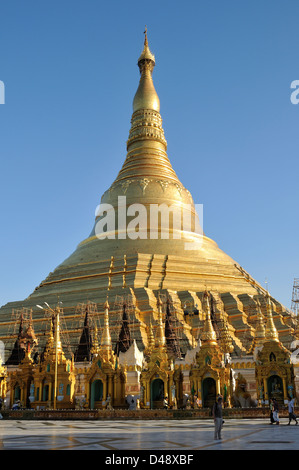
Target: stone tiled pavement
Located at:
point(162, 435)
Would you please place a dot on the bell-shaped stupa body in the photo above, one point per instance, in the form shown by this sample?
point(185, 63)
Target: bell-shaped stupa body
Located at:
point(145, 242)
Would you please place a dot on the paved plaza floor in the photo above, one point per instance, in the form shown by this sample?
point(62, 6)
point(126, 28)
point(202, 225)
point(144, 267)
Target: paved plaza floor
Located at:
point(187, 436)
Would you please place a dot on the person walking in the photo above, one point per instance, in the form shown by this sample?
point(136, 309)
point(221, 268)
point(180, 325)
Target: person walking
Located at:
point(271, 406)
point(275, 411)
point(291, 408)
point(217, 415)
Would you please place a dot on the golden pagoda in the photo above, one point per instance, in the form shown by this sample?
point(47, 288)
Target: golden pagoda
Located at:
point(147, 242)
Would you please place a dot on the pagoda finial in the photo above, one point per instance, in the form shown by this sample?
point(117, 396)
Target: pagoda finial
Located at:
point(146, 96)
point(146, 55)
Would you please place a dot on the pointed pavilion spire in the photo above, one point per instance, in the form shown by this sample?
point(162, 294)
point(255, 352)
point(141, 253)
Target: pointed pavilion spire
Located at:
point(151, 339)
point(170, 335)
point(260, 332)
point(50, 341)
point(271, 333)
point(160, 340)
point(25, 341)
point(53, 343)
point(83, 351)
point(57, 340)
point(95, 350)
point(106, 343)
point(208, 335)
point(124, 340)
point(29, 338)
point(18, 352)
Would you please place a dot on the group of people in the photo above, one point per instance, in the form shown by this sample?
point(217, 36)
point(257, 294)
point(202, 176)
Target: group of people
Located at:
point(274, 411)
point(274, 414)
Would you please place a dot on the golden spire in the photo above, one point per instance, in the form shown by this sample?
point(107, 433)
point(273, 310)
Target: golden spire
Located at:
point(225, 337)
point(57, 335)
point(146, 96)
point(146, 175)
point(260, 332)
point(146, 145)
point(208, 335)
point(95, 346)
point(271, 333)
point(50, 340)
point(160, 339)
point(106, 344)
point(146, 53)
point(151, 339)
point(53, 345)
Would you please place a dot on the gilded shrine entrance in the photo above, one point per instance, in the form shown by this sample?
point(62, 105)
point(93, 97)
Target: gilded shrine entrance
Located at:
point(46, 392)
point(96, 395)
point(17, 393)
point(208, 392)
point(157, 393)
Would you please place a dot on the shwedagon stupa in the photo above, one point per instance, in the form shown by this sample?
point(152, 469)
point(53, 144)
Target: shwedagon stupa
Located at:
point(145, 268)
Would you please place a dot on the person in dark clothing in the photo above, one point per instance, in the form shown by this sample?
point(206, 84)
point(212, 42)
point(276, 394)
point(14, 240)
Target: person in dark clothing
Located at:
point(217, 415)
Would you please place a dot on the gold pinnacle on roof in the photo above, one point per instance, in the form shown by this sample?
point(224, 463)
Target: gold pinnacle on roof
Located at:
point(225, 338)
point(260, 332)
point(146, 53)
point(106, 344)
point(271, 333)
point(95, 350)
point(151, 339)
point(57, 335)
point(53, 346)
point(50, 340)
point(208, 335)
point(160, 339)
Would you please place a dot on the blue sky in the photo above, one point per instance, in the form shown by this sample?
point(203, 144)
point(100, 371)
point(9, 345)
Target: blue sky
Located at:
point(223, 74)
